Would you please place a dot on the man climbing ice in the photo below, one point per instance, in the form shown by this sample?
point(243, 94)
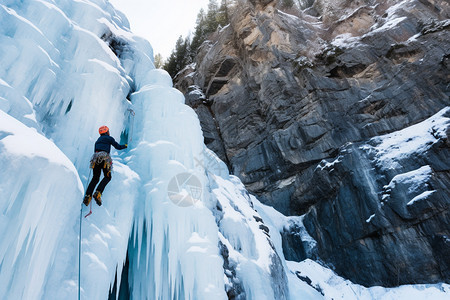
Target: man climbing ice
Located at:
point(101, 161)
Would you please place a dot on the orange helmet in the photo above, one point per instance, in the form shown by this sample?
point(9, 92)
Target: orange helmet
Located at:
point(103, 129)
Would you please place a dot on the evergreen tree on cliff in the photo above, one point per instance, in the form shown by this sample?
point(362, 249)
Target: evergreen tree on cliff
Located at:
point(179, 57)
point(222, 14)
point(200, 32)
point(207, 23)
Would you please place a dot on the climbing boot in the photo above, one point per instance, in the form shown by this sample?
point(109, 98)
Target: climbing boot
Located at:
point(87, 199)
point(98, 198)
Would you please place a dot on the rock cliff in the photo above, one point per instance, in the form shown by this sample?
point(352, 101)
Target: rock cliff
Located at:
point(296, 105)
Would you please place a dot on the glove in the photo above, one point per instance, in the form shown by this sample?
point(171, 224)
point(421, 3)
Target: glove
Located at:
point(126, 145)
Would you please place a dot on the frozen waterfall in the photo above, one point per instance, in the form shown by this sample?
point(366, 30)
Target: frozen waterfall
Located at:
point(68, 67)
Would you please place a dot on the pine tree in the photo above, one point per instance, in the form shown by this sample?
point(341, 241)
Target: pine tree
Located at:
point(207, 23)
point(158, 61)
point(199, 34)
point(179, 57)
point(171, 64)
point(211, 16)
point(222, 14)
point(183, 51)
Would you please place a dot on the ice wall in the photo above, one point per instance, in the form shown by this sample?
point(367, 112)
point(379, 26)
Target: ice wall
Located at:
point(35, 177)
point(61, 74)
point(179, 250)
point(173, 248)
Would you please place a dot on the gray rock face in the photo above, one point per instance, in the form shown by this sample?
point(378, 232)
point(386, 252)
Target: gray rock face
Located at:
point(285, 93)
point(389, 224)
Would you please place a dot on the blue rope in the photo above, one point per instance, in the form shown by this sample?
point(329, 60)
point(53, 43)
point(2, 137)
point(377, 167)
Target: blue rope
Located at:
point(79, 243)
point(79, 253)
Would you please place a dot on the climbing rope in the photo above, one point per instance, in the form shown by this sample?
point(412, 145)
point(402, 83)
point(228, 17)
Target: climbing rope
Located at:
point(79, 252)
point(79, 239)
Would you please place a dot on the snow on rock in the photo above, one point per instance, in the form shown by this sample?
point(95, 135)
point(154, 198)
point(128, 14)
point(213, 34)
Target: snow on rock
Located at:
point(391, 148)
point(251, 257)
point(414, 180)
point(391, 153)
point(420, 197)
point(345, 40)
point(331, 286)
point(310, 280)
point(370, 218)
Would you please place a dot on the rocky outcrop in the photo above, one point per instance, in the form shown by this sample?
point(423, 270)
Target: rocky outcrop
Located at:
point(382, 211)
point(281, 94)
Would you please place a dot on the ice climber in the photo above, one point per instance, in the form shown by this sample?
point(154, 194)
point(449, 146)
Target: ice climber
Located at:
point(101, 160)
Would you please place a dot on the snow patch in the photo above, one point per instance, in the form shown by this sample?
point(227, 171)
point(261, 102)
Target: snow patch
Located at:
point(420, 197)
point(331, 286)
point(370, 218)
point(415, 179)
point(346, 40)
point(328, 165)
point(399, 145)
point(392, 23)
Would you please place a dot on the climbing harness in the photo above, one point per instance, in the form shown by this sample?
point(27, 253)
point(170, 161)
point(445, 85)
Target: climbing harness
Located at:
point(131, 120)
point(101, 157)
point(79, 239)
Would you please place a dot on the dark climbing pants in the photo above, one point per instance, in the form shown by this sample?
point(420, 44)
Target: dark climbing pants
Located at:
point(96, 177)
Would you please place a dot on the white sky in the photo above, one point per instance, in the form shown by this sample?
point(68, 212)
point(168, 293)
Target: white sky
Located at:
point(161, 22)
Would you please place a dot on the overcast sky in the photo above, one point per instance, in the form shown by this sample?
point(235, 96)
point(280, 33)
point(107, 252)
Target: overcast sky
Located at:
point(161, 22)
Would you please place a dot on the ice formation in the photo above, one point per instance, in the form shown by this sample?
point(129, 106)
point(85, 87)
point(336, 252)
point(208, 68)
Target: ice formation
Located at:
point(68, 67)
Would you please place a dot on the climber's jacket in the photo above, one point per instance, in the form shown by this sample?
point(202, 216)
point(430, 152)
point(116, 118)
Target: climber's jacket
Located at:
point(102, 148)
point(104, 143)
